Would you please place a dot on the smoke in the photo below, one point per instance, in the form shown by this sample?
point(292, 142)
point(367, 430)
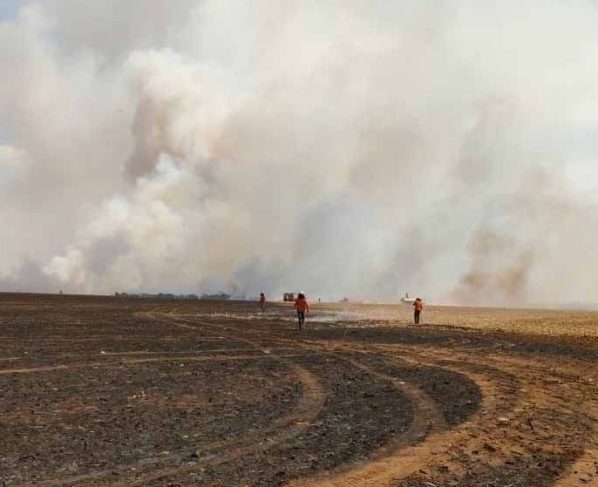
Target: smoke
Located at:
point(344, 148)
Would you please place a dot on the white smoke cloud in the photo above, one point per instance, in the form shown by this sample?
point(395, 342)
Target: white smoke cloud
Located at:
point(341, 147)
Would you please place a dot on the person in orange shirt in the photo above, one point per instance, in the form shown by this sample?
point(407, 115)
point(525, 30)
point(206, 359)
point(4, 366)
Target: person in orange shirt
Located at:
point(418, 305)
point(302, 307)
point(263, 302)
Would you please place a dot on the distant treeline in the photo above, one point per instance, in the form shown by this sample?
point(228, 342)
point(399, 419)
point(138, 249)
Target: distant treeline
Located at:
point(172, 296)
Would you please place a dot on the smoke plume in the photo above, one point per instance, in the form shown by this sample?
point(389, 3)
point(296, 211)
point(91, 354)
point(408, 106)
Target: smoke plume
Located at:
point(341, 147)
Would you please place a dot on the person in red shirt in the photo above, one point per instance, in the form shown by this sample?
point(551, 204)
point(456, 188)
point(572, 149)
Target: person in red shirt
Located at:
point(418, 305)
point(302, 307)
point(263, 302)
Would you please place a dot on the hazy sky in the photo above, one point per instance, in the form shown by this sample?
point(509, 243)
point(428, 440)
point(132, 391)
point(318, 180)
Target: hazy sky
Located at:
point(342, 147)
point(8, 8)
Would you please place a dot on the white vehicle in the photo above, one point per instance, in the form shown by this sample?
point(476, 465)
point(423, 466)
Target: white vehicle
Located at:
point(407, 300)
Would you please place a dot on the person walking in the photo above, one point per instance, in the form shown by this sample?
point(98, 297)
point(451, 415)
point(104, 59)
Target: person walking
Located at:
point(418, 305)
point(302, 307)
point(263, 302)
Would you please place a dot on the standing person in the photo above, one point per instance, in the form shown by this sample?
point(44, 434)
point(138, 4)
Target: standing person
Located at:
point(263, 302)
point(418, 305)
point(302, 307)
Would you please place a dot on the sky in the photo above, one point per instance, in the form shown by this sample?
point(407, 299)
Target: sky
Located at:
point(9, 8)
point(342, 148)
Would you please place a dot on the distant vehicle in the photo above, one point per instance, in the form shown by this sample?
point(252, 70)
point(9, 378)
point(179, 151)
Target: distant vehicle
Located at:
point(288, 297)
point(407, 300)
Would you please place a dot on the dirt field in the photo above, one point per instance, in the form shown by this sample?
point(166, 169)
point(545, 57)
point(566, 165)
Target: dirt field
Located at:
point(116, 392)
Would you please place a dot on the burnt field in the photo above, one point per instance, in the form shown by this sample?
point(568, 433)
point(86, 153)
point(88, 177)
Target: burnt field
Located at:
point(121, 392)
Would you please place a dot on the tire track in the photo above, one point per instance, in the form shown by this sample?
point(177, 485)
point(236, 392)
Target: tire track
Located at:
point(527, 431)
point(282, 429)
point(525, 391)
point(399, 457)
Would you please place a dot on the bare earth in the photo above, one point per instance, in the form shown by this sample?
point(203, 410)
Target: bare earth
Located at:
point(99, 391)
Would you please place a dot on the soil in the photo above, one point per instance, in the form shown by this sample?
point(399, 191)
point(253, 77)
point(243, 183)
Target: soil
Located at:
point(112, 391)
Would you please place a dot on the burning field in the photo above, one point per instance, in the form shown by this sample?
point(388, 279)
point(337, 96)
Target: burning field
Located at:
point(123, 392)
